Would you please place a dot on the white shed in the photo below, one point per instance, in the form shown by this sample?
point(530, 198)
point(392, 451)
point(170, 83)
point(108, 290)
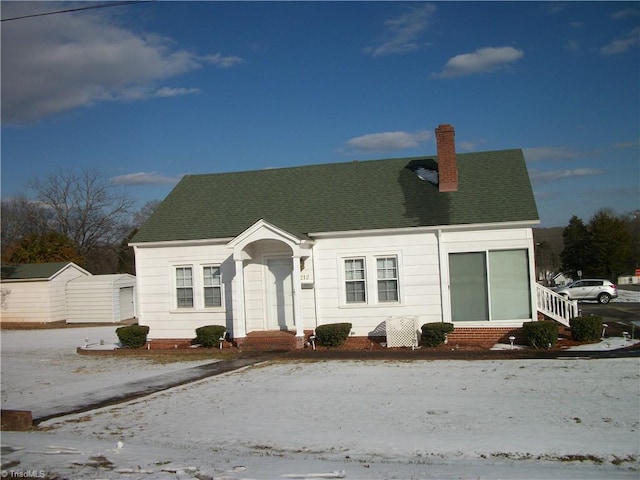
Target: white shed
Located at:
point(36, 292)
point(101, 299)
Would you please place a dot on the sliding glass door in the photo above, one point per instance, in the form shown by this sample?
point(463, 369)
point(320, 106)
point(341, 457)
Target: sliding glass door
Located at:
point(490, 285)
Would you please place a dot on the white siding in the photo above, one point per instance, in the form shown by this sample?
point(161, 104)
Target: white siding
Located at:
point(38, 300)
point(419, 279)
point(27, 302)
point(97, 298)
point(156, 293)
point(420, 259)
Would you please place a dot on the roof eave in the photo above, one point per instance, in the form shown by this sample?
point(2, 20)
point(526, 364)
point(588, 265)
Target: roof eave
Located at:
point(427, 229)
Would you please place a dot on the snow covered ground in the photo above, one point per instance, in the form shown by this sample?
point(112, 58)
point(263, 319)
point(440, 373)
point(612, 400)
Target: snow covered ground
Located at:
point(570, 418)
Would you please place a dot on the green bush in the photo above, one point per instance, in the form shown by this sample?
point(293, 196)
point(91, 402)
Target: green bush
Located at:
point(209, 336)
point(132, 336)
point(540, 334)
point(586, 329)
point(333, 334)
point(434, 334)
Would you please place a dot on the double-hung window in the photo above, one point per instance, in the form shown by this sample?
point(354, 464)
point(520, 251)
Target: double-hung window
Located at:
point(184, 287)
point(355, 280)
point(387, 275)
point(212, 287)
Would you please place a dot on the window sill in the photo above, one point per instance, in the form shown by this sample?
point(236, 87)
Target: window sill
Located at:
point(370, 305)
point(194, 310)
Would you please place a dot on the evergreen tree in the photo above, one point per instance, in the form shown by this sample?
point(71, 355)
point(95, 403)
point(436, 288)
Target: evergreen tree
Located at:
point(577, 245)
point(610, 245)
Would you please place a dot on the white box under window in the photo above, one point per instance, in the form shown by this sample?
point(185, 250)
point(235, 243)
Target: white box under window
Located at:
point(402, 331)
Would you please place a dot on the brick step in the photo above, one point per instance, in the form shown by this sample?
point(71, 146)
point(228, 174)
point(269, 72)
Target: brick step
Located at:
point(270, 341)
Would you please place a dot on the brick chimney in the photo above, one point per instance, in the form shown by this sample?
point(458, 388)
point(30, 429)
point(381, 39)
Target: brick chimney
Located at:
point(447, 167)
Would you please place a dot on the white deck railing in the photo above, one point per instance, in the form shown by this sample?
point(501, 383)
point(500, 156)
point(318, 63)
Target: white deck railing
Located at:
point(555, 306)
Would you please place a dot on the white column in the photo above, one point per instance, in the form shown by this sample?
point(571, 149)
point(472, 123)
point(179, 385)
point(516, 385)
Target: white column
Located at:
point(239, 321)
point(297, 298)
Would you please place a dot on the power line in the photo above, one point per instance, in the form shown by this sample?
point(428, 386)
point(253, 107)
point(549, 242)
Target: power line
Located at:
point(89, 7)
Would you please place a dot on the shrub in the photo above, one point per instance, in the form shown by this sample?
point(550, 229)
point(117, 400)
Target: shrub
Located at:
point(540, 334)
point(434, 334)
point(133, 336)
point(209, 336)
point(586, 329)
point(333, 334)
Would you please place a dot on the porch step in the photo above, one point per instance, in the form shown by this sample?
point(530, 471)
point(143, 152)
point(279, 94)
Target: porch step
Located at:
point(270, 341)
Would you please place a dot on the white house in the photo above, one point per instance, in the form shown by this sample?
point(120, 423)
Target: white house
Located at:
point(36, 292)
point(101, 299)
point(441, 239)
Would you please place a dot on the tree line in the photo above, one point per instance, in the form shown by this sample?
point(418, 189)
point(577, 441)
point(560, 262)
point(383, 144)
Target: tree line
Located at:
point(75, 216)
point(608, 246)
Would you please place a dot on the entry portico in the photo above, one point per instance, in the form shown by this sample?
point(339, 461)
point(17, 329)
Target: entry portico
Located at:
point(267, 254)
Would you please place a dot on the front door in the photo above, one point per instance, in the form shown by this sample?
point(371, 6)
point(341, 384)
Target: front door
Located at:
point(280, 293)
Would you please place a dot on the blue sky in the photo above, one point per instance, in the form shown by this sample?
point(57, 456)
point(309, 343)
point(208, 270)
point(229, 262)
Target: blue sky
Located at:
point(152, 91)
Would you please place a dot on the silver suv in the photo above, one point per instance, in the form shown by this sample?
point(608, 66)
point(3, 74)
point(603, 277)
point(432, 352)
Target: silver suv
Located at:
point(589, 289)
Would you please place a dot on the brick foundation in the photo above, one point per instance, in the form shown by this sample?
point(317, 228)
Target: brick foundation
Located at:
point(175, 344)
point(484, 336)
point(469, 336)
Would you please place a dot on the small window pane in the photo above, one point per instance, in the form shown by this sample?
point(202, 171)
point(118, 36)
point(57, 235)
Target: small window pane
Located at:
point(212, 289)
point(184, 287)
point(212, 297)
point(387, 279)
point(211, 276)
point(388, 291)
point(354, 269)
point(355, 284)
point(355, 292)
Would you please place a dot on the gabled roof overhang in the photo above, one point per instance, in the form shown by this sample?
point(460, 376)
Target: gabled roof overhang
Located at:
point(263, 230)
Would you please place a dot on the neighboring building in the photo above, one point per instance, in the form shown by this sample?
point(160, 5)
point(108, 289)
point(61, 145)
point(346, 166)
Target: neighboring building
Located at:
point(101, 299)
point(630, 279)
point(561, 279)
point(36, 292)
point(442, 239)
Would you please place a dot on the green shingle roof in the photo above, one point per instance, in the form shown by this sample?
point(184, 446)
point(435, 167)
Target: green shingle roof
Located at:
point(377, 194)
point(31, 271)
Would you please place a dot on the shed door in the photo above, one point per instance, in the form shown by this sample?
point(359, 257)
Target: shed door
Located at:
point(126, 303)
point(280, 293)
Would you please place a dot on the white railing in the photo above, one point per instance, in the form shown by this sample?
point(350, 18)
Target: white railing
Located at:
point(555, 306)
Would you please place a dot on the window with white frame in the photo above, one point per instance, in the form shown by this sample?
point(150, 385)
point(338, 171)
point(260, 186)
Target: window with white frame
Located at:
point(212, 285)
point(184, 287)
point(387, 276)
point(490, 285)
point(355, 280)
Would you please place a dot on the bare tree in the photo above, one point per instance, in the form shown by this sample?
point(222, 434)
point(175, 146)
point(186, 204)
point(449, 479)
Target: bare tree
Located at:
point(145, 212)
point(21, 217)
point(85, 207)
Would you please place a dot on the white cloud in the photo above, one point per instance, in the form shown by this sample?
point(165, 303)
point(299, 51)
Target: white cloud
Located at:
point(549, 153)
point(483, 60)
point(143, 178)
point(622, 14)
point(60, 62)
point(572, 45)
point(174, 92)
point(622, 45)
point(403, 33)
point(624, 145)
point(545, 176)
point(388, 141)
point(223, 62)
